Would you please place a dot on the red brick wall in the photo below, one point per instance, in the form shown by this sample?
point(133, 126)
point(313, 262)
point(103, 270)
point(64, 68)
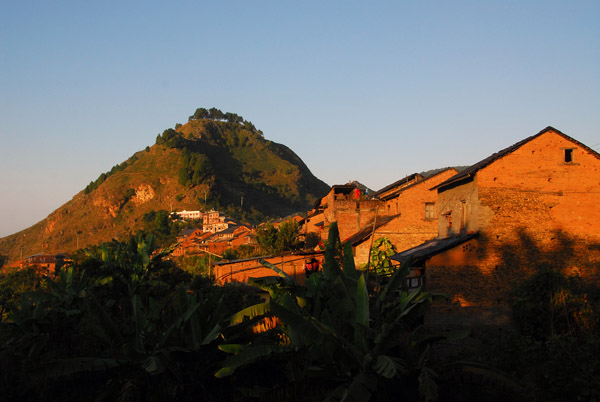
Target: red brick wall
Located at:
point(293, 265)
point(411, 228)
point(531, 210)
point(351, 215)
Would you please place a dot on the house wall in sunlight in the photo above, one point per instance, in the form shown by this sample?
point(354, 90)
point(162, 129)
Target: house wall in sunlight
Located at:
point(536, 205)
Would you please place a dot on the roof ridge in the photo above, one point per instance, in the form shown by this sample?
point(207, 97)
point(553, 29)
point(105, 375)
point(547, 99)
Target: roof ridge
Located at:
point(471, 170)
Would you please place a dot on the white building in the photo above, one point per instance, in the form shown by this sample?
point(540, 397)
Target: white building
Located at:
point(189, 215)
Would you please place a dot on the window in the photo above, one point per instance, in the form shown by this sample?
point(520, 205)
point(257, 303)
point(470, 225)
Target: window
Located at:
point(414, 282)
point(568, 155)
point(430, 210)
point(415, 279)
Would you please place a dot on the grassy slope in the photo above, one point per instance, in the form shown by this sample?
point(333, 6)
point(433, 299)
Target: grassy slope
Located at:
point(271, 178)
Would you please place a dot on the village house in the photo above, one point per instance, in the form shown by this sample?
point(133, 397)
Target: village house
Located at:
point(346, 205)
point(530, 205)
point(196, 241)
point(47, 264)
point(314, 222)
point(214, 221)
point(407, 216)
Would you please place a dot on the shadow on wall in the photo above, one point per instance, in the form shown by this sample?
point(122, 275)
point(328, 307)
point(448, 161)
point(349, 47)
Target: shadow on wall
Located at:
point(480, 294)
point(559, 252)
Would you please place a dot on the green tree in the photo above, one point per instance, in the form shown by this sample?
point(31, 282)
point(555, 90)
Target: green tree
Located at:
point(200, 113)
point(196, 167)
point(287, 236)
point(311, 240)
point(266, 236)
point(216, 114)
point(380, 262)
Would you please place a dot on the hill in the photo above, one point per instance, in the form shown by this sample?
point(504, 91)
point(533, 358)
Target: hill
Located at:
point(217, 161)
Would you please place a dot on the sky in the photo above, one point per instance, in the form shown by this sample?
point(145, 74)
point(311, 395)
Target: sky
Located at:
point(368, 91)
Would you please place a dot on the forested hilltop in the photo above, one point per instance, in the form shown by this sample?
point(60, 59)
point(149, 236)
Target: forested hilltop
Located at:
point(215, 161)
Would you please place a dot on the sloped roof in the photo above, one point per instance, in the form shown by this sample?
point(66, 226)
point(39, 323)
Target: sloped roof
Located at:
point(186, 232)
point(419, 181)
point(230, 229)
point(406, 179)
point(366, 231)
point(430, 248)
point(472, 170)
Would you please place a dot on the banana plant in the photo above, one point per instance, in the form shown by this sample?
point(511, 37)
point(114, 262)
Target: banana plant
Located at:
point(360, 343)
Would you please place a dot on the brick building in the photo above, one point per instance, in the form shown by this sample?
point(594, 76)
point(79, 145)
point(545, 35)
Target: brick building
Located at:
point(345, 205)
point(407, 217)
point(532, 204)
point(197, 241)
point(214, 221)
point(46, 264)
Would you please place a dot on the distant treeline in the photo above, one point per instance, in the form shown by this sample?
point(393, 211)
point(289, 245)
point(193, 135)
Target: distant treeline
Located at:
point(215, 114)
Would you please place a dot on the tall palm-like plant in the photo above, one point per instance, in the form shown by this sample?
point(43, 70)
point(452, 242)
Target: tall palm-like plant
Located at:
point(355, 345)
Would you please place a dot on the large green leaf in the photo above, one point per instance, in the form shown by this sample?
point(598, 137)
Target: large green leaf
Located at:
point(362, 312)
point(349, 267)
point(301, 330)
point(245, 356)
point(396, 282)
point(428, 388)
point(276, 269)
point(251, 312)
point(385, 366)
point(361, 388)
point(331, 268)
point(67, 367)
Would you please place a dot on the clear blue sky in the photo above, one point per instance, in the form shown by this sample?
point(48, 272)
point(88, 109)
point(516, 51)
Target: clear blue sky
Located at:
point(367, 91)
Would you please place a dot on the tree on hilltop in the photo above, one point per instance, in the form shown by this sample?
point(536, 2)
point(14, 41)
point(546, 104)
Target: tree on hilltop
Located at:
point(200, 113)
point(216, 114)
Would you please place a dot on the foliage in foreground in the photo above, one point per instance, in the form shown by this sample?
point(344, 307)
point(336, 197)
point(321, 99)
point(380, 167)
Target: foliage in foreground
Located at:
point(123, 323)
point(116, 325)
point(555, 347)
point(337, 341)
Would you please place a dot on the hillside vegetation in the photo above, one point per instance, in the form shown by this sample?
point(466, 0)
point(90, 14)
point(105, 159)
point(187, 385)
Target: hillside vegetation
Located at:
point(215, 161)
